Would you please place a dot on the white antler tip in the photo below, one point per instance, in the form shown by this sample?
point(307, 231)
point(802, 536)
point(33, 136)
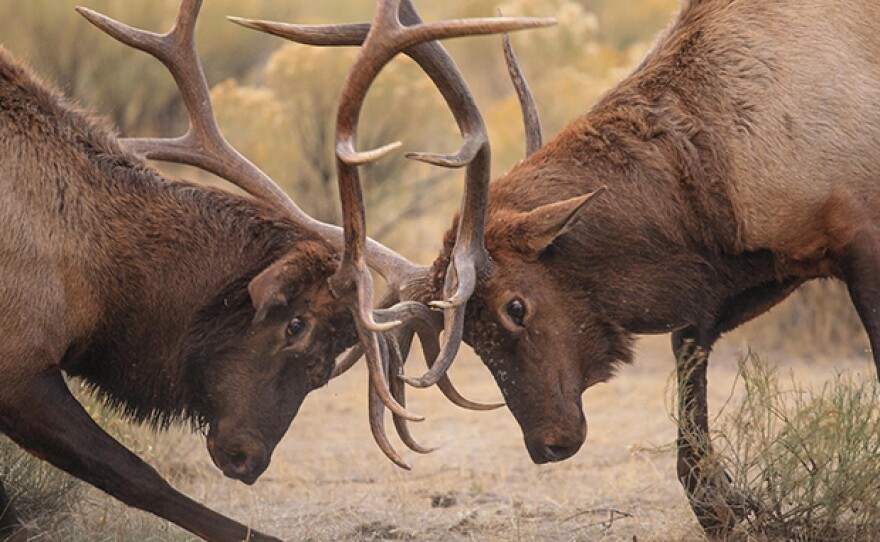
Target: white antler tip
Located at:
point(247, 23)
point(442, 160)
point(448, 303)
point(415, 382)
point(361, 158)
point(382, 326)
point(90, 14)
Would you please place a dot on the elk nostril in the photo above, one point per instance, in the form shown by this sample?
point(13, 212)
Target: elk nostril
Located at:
point(239, 461)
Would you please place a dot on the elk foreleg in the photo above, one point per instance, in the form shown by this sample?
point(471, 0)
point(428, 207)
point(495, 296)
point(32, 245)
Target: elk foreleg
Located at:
point(716, 506)
point(706, 485)
point(860, 262)
point(41, 415)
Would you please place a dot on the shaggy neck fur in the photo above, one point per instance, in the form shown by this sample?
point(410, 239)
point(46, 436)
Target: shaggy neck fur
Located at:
point(666, 231)
point(141, 257)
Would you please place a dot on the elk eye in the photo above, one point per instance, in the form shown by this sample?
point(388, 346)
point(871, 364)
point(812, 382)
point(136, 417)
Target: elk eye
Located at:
point(295, 327)
point(516, 309)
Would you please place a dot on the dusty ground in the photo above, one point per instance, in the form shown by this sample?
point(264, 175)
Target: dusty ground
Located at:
point(328, 481)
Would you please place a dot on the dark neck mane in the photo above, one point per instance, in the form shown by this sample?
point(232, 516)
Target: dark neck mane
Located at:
point(150, 254)
point(649, 143)
point(162, 290)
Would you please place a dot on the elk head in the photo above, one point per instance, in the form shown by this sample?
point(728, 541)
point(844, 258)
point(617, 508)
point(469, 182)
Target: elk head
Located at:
point(543, 347)
point(283, 333)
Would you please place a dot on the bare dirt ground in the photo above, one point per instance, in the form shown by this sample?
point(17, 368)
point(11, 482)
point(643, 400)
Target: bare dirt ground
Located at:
point(328, 481)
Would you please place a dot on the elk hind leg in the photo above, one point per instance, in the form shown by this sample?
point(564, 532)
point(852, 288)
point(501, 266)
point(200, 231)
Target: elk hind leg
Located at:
point(860, 262)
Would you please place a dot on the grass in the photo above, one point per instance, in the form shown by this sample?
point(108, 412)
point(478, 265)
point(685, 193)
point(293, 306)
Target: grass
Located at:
point(52, 504)
point(804, 457)
point(42, 494)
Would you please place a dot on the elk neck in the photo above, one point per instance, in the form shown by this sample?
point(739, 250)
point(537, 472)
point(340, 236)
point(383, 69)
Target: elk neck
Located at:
point(665, 242)
point(136, 255)
point(189, 251)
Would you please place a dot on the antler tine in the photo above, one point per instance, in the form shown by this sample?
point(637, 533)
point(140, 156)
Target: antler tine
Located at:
point(354, 355)
point(338, 35)
point(425, 323)
point(377, 355)
point(377, 428)
point(531, 120)
point(393, 361)
point(422, 321)
point(397, 359)
point(348, 361)
point(203, 145)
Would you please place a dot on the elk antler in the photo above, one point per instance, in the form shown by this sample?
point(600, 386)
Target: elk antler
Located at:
point(384, 39)
point(531, 120)
point(205, 147)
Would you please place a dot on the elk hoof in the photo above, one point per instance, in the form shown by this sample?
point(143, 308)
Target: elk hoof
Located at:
point(719, 508)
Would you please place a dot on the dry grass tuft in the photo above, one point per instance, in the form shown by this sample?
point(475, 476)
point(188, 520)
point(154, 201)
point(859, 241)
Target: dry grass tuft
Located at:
point(51, 502)
point(802, 460)
point(41, 494)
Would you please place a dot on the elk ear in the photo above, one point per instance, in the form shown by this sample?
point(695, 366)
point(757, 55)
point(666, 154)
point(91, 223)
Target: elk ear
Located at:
point(272, 288)
point(545, 224)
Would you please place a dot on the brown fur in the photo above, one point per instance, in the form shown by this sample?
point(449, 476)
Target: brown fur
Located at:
point(139, 285)
point(740, 160)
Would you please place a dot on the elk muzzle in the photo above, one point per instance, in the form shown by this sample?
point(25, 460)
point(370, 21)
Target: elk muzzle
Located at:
point(240, 455)
point(558, 439)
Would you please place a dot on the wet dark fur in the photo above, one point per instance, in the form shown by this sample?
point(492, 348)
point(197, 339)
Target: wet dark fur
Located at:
point(164, 257)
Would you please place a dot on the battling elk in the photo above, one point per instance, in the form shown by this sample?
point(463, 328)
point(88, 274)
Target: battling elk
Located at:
point(178, 302)
point(737, 162)
point(733, 165)
point(174, 301)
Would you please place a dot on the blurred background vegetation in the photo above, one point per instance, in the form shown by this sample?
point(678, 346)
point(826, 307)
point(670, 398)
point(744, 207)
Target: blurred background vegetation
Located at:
point(276, 102)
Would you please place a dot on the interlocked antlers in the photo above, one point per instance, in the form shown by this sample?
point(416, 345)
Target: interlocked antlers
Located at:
point(396, 28)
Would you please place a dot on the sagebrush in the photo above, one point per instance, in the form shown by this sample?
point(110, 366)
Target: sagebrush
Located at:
point(802, 460)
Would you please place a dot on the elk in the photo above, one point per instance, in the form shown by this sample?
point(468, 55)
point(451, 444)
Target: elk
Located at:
point(179, 302)
point(737, 162)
